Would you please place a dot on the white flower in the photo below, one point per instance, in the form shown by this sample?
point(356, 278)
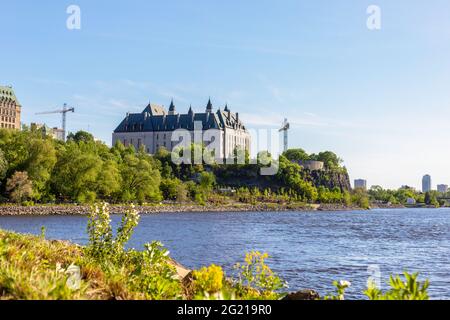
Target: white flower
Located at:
point(345, 283)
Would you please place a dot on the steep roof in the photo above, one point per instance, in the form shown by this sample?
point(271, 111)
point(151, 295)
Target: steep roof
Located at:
point(157, 120)
point(7, 93)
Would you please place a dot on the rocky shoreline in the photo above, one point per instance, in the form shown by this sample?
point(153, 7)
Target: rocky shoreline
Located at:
point(80, 210)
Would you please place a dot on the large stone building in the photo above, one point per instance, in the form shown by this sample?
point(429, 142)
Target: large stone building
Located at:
point(9, 109)
point(154, 128)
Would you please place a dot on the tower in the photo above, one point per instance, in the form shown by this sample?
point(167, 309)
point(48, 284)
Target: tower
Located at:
point(426, 183)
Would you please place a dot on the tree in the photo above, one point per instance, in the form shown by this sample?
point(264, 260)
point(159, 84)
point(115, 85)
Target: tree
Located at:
point(19, 187)
point(80, 136)
point(76, 172)
point(40, 163)
point(109, 179)
point(140, 178)
point(3, 165)
point(296, 155)
point(169, 188)
point(289, 174)
point(207, 181)
point(330, 159)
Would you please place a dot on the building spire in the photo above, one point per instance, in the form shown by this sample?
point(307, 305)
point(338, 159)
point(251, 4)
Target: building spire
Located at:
point(172, 108)
point(209, 106)
point(226, 108)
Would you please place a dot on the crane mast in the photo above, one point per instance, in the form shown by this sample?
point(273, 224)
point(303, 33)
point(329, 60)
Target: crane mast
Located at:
point(285, 128)
point(63, 112)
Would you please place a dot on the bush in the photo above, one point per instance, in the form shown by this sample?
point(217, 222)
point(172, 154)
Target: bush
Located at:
point(256, 280)
point(208, 281)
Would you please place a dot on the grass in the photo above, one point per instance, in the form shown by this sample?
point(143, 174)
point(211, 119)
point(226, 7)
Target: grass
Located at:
point(32, 268)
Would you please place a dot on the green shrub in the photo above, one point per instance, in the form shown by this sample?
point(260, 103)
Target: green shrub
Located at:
point(256, 280)
point(408, 289)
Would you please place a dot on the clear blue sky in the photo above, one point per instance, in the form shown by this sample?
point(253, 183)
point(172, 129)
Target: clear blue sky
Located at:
point(380, 99)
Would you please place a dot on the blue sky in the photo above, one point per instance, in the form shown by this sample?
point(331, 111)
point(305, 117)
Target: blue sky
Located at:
point(380, 99)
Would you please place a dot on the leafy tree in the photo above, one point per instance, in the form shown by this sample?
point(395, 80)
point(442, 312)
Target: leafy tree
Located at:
point(80, 136)
point(207, 180)
point(3, 165)
point(109, 180)
point(169, 188)
point(76, 173)
point(19, 187)
point(289, 174)
point(330, 159)
point(40, 163)
point(296, 155)
point(140, 178)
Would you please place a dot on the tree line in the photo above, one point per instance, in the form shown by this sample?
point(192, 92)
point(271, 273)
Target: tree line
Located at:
point(35, 168)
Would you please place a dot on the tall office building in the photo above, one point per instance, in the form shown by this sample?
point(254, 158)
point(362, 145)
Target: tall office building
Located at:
point(442, 188)
point(426, 183)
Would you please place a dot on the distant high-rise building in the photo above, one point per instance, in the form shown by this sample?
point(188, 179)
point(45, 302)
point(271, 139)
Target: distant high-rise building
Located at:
point(426, 183)
point(442, 188)
point(361, 184)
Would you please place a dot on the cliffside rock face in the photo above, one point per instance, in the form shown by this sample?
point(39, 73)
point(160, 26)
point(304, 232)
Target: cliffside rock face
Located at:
point(331, 179)
point(250, 177)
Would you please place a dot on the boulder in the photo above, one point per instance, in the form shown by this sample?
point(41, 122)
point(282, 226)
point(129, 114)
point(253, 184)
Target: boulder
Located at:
point(303, 295)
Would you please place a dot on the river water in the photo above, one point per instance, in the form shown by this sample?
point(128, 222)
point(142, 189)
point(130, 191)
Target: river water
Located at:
point(308, 249)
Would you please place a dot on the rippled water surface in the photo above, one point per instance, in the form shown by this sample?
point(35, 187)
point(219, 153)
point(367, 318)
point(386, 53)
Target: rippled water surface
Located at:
point(309, 250)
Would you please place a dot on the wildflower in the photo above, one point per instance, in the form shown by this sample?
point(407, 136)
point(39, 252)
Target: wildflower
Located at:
point(345, 283)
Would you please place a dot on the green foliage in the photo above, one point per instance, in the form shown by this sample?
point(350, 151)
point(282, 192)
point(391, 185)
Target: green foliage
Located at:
point(296, 155)
point(141, 178)
point(80, 136)
point(256, 280)
point(361, 199)
point(340, 286)
point(19, 187)
point(102, 243)
point(3, 165)
point(208, 281)
point(289, 174)
point(408, 289)
point(170, 188)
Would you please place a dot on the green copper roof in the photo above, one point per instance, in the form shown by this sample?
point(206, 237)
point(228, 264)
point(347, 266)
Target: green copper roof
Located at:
point(8, 93)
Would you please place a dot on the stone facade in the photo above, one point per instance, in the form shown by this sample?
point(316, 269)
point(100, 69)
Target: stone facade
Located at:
point(9, 109)
point(154, 128)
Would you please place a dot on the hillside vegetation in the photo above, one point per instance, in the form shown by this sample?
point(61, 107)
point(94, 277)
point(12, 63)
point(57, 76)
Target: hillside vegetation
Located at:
point(35, 168)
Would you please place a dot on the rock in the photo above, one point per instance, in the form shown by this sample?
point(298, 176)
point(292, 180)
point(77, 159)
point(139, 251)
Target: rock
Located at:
point(303, 295)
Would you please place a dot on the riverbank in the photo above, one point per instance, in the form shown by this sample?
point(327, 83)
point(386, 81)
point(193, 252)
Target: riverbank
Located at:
point(77, 210)
point(32, 268)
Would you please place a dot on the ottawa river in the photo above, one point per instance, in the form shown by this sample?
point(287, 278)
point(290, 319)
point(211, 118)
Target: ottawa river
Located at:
point(308, 249)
